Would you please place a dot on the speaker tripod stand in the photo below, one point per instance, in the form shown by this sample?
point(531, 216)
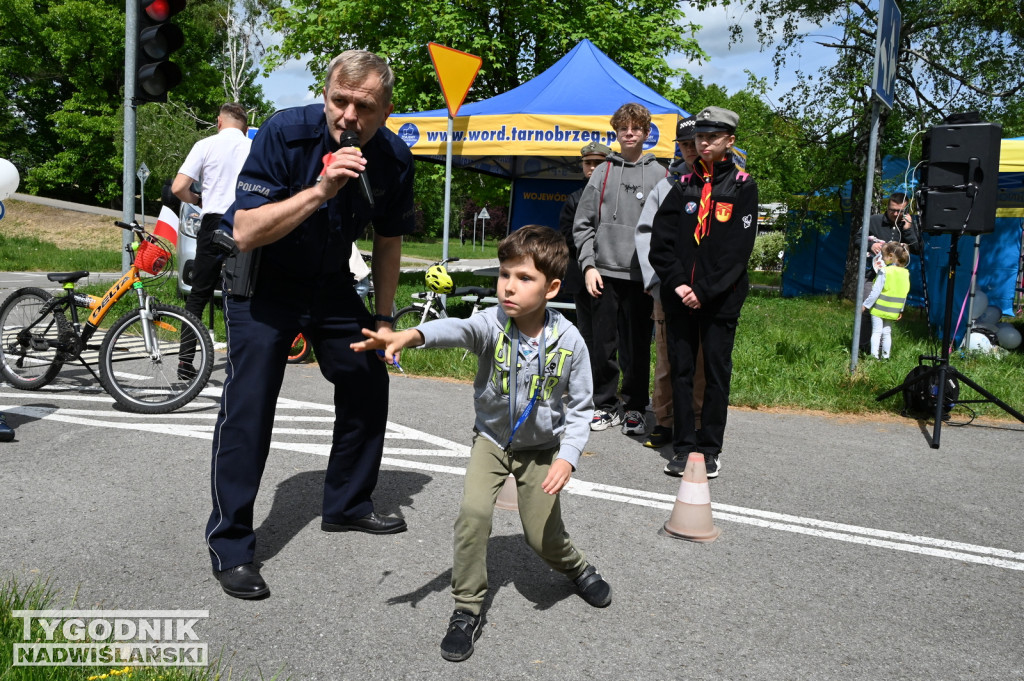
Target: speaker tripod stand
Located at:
point(940, 372)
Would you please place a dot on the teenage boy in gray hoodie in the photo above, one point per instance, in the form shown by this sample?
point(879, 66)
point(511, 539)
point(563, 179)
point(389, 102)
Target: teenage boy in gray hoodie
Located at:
point(522, 425)
point(604, 233)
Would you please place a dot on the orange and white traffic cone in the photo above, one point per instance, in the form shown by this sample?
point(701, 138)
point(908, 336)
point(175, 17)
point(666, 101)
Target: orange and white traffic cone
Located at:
point(508, 497)
point(691, 516)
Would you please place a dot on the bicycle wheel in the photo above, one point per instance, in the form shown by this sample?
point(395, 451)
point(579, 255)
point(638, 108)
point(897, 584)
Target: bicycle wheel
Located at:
point(300, 350)
point(155, 383)
point(411, 316)
point(29, 346)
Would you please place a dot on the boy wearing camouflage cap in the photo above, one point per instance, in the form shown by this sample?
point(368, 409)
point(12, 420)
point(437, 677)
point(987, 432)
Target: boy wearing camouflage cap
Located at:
point(591, 156)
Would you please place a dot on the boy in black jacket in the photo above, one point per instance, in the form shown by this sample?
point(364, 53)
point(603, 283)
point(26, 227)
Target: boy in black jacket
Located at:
point(701, 242)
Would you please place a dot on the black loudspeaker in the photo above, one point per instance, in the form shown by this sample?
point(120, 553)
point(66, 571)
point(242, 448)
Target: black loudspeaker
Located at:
point(960, 178)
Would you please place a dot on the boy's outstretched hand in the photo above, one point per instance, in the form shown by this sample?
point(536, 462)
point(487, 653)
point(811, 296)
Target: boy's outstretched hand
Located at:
point(390, 342)
point(558, 476)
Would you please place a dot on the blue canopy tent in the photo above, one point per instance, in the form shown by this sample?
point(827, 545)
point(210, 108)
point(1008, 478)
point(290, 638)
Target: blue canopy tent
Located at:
point(533, 133)
point(817, 263)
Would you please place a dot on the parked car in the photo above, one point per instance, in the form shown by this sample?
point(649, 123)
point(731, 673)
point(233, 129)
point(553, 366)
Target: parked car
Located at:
point(188, 228)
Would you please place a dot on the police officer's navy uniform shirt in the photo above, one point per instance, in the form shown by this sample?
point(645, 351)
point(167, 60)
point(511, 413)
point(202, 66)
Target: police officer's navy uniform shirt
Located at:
point(287, 157)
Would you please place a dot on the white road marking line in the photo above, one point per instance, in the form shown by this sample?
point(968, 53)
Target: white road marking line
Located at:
point(133, 377)
point(940, 548)
point(669, 499)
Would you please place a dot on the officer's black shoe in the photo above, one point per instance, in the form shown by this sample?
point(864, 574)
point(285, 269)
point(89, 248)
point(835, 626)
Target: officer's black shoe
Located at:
point(371, 524)
point(6, 432)
point(242, 581)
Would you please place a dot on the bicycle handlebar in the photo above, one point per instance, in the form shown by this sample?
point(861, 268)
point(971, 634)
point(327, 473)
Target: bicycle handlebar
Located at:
point(134, 226)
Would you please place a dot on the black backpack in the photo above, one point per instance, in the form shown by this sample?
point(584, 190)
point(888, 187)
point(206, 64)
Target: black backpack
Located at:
point(920, 398)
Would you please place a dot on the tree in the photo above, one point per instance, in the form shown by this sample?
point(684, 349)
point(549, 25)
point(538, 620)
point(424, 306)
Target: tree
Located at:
point(61, 90)
point(516, 40)
point(951, 57)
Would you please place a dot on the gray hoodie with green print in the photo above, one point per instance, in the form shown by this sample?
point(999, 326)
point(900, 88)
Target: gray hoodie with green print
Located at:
point(489, 334)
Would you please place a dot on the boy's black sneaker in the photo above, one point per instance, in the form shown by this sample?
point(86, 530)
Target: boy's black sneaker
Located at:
point(592, 587)
point(659, 437)
point(463, 630)
point(677, 465)
point(712, 465)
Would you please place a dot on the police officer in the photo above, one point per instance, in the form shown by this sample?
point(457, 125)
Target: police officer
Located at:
point(301, 201)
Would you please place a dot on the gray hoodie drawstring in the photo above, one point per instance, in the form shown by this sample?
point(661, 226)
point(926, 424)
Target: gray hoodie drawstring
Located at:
point(640, 195)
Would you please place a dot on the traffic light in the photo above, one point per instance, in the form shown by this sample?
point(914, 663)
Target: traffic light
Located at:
point(155, 74)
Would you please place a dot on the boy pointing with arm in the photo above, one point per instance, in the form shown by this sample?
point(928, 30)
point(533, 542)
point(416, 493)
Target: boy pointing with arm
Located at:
point(530, 357)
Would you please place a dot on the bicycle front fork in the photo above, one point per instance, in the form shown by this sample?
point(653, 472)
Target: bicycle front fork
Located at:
point(146, 314)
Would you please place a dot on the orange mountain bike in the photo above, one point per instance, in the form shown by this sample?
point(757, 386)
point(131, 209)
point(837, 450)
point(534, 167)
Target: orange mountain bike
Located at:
point(152, 360)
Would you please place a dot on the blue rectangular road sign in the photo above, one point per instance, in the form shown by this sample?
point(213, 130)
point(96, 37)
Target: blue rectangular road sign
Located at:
point(883, 82)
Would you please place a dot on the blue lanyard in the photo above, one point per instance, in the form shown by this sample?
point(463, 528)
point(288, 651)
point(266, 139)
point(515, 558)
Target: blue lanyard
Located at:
point(514, 386)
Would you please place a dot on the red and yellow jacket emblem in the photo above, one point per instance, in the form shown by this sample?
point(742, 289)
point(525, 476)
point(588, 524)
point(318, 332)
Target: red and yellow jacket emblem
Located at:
point(723, 211)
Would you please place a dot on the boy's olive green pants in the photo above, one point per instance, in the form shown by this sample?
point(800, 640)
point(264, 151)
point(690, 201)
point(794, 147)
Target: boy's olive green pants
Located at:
point(539, 511)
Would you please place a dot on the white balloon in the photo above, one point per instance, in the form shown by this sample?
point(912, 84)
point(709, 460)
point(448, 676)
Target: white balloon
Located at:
point(979, 342)
point(1009, 336)
point(9, 178)
point(991, 315)
point(980, 304)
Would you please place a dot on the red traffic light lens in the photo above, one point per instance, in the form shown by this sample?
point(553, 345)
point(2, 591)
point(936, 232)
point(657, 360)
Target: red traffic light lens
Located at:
point(162, 10)
point(159, 10)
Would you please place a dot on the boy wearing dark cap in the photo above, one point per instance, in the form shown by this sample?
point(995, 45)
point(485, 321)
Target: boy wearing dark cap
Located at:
point(701, 242)
point(591, 156)
point(661, 402)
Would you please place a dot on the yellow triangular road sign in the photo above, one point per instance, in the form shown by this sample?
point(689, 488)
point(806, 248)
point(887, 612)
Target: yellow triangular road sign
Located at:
point(456, 70)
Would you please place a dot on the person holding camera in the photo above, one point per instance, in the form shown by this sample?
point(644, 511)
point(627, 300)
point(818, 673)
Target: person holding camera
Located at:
point(302, 199)
point(894, 225)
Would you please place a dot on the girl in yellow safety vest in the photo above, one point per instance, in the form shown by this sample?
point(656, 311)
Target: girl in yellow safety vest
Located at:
point(888, 297)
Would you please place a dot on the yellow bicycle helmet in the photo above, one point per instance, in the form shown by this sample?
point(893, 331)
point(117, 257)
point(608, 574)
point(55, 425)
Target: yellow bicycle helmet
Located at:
point(438, 279)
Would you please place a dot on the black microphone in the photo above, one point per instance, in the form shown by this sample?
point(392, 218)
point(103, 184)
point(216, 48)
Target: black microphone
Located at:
point(350, 139)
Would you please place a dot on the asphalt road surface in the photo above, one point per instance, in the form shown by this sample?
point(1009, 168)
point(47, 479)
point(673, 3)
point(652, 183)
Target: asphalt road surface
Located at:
point(849, 549)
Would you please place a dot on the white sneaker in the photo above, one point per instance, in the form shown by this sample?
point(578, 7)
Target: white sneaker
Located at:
point(603, 420)
point(634, 424)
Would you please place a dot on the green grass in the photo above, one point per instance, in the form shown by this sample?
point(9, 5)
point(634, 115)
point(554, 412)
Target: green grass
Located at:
point(431, 249)
point(789, 352)
point(21, 254)
point(794, 353)
point(765, 278)
point(39, 595)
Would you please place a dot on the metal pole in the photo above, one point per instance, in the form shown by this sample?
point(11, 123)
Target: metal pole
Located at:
point(972, 291)
point(868, 191)
point(448, 187)
point(131, 35)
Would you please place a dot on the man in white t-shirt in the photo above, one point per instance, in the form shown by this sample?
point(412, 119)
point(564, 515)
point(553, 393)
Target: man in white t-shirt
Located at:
point(214, 162)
